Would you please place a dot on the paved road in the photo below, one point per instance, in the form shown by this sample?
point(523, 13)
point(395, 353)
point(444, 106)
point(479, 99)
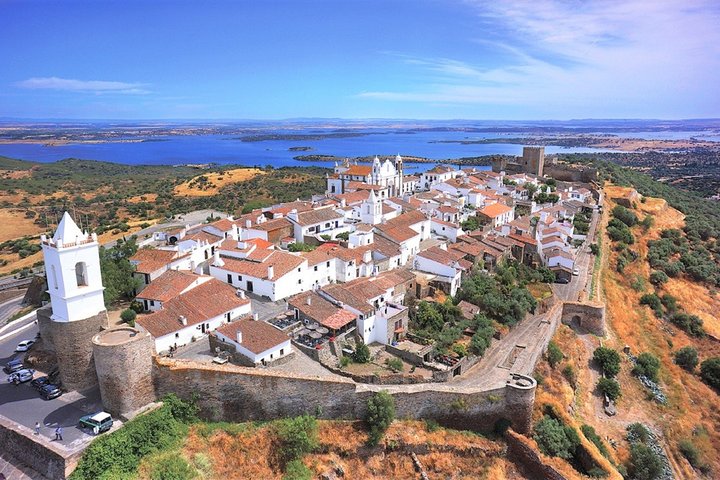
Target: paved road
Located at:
point(10, 308)
point(584, 262)
point(23, 405)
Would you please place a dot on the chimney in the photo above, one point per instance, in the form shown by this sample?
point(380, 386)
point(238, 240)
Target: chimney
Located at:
point(240, 293)
point(183, 320)
point(309, 300)
point(255, 317)
point(271, 272)
point(248, 223)
point(367, 256)
point(242, 245)
point(239, 336)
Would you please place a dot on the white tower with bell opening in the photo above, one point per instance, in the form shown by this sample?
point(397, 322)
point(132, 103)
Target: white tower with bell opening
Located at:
point(371, 210)
point(72, 266)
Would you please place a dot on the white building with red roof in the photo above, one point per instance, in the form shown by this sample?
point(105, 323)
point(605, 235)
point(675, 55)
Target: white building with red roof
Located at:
point(258, 342)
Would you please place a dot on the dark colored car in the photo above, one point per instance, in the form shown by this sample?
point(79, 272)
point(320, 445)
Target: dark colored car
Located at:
point(40, 382)
point(50, 391)
point(562, 280)
point(13, 366)
point(99, 422)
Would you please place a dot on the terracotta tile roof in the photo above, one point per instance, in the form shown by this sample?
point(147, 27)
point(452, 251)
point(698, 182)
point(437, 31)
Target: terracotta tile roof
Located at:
point(443, 257)
point(471, 249)
point(397, 234)
point(274, 224)
point(149, 260)
point(363, 227)
point(407, 219)
point(523, 239)
point(363, 186)
point(322, 310)
point(224, 225)
point(557, 252)
point(206, 301)
point(468, 310)
point(257, 336)
point(495, 210)
point(443, 222)
point(232, 245)
point(385, 247)
point(203, 236)
point(313, 217)
point(441, 169)
point(285, 208)
point(363, 170)
point(169, 285)
point(256, 265)
point(352, 198)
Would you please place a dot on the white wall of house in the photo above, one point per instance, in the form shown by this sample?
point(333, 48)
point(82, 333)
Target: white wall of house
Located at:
point(271, 354)
point(184, 335)
point(452, 274)
point(288, 285)
point(323, 273)
point(559, 260)
point(452, 233)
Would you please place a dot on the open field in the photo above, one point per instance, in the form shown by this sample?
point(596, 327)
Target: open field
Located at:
point(209, 184)
point(15, 224)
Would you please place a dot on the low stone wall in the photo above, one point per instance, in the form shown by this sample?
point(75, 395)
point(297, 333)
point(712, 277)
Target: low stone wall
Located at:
point(232, 393)
point(41, 455)
point(520, 450)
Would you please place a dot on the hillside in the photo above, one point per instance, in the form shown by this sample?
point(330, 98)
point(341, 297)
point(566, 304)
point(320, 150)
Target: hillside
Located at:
point(688, 424)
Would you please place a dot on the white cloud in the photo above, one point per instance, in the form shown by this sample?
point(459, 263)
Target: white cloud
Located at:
point(590, 58)
point(91, 86)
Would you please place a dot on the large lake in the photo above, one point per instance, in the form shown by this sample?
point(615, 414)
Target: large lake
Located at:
point(226, 149)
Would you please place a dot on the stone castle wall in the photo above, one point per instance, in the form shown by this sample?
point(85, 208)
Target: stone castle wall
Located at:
point(233, 393)
point(590, 316)
point(74, 350)
point(124, 371)
point(43, 319)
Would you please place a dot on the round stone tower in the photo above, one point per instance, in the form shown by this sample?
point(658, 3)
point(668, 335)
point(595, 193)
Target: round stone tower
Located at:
point(123, 361)
point(519, 400)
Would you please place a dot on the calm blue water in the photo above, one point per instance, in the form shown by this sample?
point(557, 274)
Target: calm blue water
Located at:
point(222, 149)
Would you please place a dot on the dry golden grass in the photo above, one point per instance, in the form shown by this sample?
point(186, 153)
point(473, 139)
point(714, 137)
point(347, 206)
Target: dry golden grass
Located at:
point(343, 444)
point(215, 181)
point(691, 404)
point(15, 225)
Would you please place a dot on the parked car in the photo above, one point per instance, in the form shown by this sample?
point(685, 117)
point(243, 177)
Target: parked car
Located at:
point(40, 382)
point(50, 391)
point(576, 271)
point(21, 376)
point(13, 366)
point(562, 280)
point(99, 422)
point(24, 346)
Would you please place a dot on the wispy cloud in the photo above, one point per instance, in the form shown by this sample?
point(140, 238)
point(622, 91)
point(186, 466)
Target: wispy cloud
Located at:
point(592, 55)
point(86, 86)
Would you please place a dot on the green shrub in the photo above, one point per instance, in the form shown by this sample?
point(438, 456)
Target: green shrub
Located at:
point(345, 361)
point(431, 425)
point(687, 358)
point(297, 437)
point(554, 354)
point(380, 414)
point(300, 247)
point(171, 467)
point(556, 439)
point(710, 372)
point(590, 434)
point(570, 375)
point(654, 302)
point(459, 350)
point(297, 470)
point(644, 463)
point(689, 451)
point(639, 431)
point(658, 277)
point(608, 359)
point(394, 364)
point(362, 353)
point(595, 249)
point(691, 324)
point(648, 365)
point(128, 316)
point(609, 387)
point(182, 410)
point(626, 216)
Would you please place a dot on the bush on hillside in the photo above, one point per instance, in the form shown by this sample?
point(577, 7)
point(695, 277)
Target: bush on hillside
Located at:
point(691, 324)
point(556, 439)
point(609, 387)
point(645, 464)
point(658, 277)
point(687, 358)
point(608, 359)
point(554, 354)
point(710, 372)
point(362, 353)
point(128, 316)
point(648, 365)
point(297, 437)
point(628, 217)
point(380, 414)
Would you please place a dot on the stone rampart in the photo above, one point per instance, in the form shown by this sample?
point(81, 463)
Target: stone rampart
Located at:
point(589, 316)
point(46, 458)
point(520, 450)
point(43, 319)
point(232, 393)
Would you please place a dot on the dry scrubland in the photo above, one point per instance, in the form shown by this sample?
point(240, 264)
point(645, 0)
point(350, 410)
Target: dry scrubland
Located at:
point(693, 409)
point(250, 449)
point(208, 184)
point(14, 224)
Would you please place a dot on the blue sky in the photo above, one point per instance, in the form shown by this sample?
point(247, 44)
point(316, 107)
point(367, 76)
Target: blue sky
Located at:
point(513, 59)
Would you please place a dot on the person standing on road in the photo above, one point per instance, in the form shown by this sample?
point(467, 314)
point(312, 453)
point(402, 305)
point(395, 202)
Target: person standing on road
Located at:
point(37, 428)
point(58, 433)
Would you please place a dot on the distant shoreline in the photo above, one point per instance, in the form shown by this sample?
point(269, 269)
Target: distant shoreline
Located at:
point(480, 161)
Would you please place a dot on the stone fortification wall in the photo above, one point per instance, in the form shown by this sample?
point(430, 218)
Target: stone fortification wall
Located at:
point(43, 318)
point(74, 350)
point(123, 362)
point(233, 393)
point(570, 173)
point(46, 458)
point(590, 316)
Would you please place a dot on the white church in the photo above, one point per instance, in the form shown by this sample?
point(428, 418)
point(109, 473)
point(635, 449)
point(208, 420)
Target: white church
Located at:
point(386, 175)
